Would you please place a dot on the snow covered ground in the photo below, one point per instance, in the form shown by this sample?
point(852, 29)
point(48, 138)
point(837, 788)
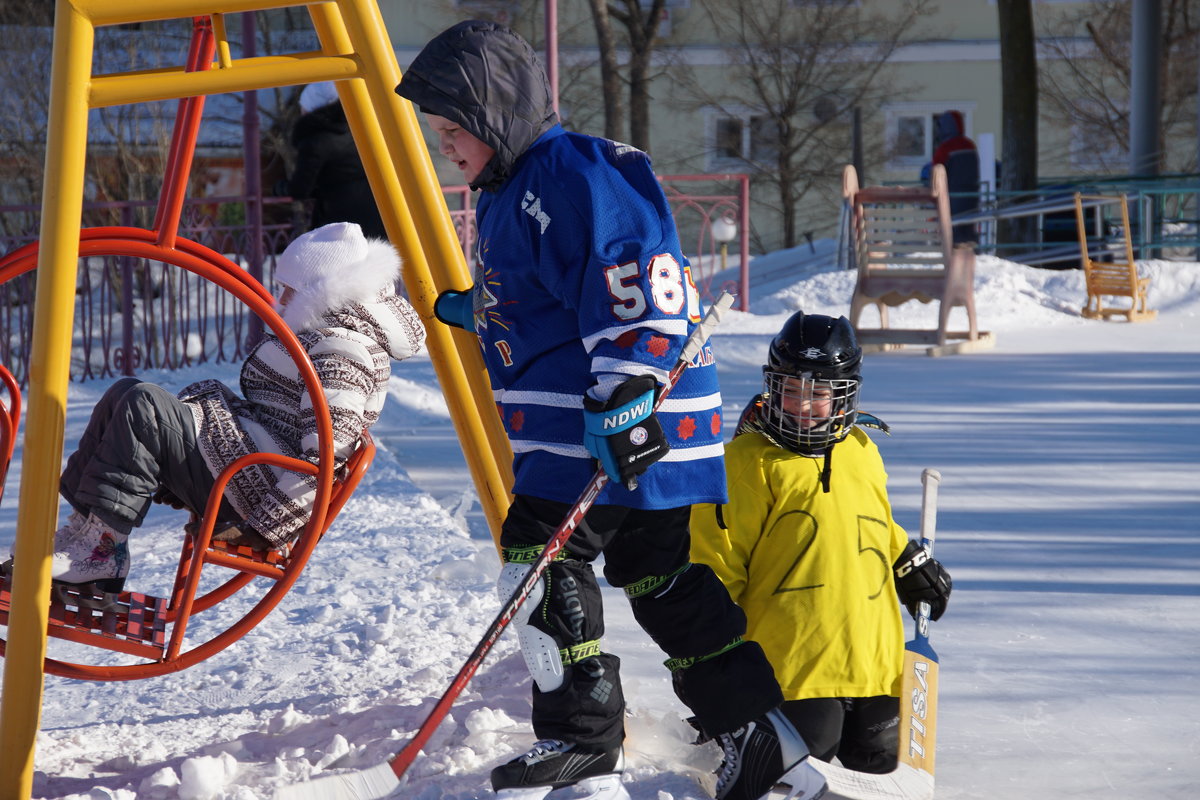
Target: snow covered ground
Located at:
point(1069, 517)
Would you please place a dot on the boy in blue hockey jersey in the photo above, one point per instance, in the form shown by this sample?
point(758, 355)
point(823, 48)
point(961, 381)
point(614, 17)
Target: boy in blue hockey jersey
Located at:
point(582, 302)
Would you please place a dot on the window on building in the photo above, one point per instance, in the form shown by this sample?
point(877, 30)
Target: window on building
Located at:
point(1094, 145)
point(764, 139)
point(910, 131)
point(727, 143)
point(739, 139)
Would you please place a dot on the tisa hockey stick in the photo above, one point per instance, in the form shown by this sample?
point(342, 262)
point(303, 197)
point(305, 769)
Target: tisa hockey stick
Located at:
point(913, 777)
point(382, 780)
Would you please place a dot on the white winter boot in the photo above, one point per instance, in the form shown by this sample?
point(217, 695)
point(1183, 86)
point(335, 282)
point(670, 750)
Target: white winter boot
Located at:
point(67, 531)
point(90, 552)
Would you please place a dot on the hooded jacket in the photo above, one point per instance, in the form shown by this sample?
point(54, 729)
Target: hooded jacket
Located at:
point(351, 347)
point(580, 280)
point(329, 170)
point(476, 75)
point(959, 155)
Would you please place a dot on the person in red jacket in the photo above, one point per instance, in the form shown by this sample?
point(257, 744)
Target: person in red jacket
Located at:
point(958, 154)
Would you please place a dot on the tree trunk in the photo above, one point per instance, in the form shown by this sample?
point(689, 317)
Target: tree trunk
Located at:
point(1019, 111)
point(642, 24)
point(610, 76)
point(639, 101)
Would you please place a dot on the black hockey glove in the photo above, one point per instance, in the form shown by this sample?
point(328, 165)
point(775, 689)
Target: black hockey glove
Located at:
point(920, 577)
point(455, 308)
point(623, 433)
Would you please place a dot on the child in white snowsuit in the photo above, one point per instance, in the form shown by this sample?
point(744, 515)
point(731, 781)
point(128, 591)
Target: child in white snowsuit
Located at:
point(807, 546)
point(141, 441)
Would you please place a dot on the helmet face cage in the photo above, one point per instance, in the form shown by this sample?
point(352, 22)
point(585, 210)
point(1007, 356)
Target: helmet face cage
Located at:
point(808, 414)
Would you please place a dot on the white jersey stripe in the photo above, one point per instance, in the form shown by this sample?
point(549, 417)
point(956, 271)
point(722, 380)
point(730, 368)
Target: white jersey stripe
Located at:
point(561, 400)
point(567, 450)
point(532, 398)
point(670, 327)
point(631, 368)
point(680, 405)
point(578, 451)
point(695, 453)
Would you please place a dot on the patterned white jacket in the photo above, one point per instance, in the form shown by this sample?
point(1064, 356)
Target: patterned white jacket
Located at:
point(351, 350)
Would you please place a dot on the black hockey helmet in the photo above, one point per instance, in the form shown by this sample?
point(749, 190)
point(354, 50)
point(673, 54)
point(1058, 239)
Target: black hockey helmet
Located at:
point(817, 346)
point(811, 383)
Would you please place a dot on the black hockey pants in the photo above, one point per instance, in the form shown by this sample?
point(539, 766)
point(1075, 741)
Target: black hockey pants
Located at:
point(862, 732)
point(684, 607)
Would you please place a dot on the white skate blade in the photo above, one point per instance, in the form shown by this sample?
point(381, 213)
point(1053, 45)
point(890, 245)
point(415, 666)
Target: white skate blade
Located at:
point(801, 782)
point(600, 787)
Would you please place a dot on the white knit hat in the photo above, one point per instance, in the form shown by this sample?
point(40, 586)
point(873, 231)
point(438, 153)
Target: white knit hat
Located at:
point(317, 95)
point(332, 266)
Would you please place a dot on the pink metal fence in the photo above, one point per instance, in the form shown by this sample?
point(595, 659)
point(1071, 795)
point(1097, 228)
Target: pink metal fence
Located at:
point(136, 315)
point(703, 219)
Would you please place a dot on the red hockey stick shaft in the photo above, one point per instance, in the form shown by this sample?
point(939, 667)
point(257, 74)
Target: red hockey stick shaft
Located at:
point(404, 759)
point(385, 778)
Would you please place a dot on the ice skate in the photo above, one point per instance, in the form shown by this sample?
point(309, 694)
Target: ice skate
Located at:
point(556, 770)
point(766, 759)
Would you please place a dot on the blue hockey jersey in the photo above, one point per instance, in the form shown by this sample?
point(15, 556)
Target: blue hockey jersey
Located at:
point(580, 280)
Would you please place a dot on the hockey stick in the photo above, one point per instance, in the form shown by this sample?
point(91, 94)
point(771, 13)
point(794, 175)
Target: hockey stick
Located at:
point(913, 777)
point(381, 780)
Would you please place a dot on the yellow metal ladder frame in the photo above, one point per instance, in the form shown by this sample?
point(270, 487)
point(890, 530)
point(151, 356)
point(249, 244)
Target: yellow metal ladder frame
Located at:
point(355, 52)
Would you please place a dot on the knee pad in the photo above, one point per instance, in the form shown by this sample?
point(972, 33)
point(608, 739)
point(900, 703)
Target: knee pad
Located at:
point(538, 647)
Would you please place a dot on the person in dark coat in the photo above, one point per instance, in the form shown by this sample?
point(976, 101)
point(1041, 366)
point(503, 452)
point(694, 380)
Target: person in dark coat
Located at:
point(329, 170)
point(958, 154)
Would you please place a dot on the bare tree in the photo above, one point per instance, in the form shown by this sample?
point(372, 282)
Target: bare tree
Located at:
point(800, 71)
point(610, 75)
point(641, 22)
point(1019, 110)
point(126, 144)
point(1085, 89)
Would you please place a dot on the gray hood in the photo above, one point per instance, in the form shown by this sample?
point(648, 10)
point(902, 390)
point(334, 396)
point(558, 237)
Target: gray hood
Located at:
point(487, 79)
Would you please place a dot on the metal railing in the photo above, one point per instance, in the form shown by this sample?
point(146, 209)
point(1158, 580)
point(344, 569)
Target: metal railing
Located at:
point(133, 314)
point(711, 223)
point(1163, 211)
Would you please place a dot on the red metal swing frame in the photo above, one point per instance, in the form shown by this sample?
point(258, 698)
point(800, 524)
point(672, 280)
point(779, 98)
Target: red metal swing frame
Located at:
point(154, 628)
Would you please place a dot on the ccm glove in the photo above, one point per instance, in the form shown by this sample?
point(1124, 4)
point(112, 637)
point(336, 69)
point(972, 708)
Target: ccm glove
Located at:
point(920, 577)
point(623, 433)
point(455, 308)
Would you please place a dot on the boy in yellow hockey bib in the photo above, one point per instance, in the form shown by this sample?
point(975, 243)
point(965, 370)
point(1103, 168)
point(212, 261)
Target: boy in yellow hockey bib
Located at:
point(807, 546)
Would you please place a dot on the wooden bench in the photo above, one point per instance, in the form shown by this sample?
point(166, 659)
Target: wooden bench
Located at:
point(903, 250)
point(1109, 276)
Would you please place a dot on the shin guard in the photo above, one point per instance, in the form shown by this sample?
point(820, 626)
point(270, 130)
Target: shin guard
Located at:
point(539, 648)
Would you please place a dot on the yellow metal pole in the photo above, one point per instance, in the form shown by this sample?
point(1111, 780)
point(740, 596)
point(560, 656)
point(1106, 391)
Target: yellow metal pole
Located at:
point(432, 218)
point(49, 372)
point(438, 262)
point(116, 12)
point(141, 86)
